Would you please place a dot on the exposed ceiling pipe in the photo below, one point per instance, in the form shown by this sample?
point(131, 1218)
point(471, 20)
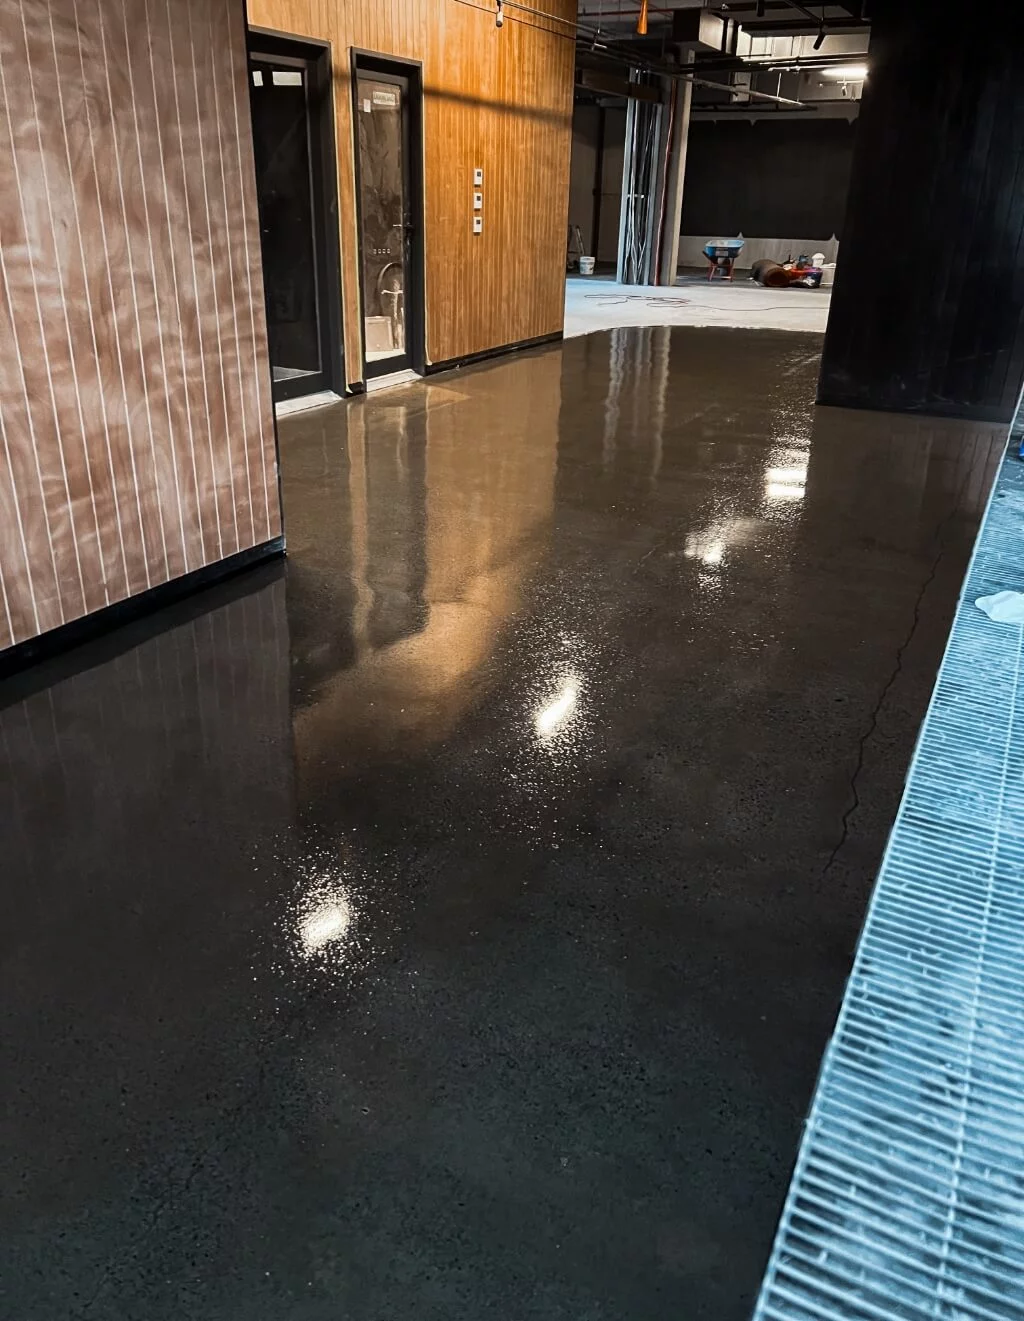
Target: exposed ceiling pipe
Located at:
point(683, 75)
point(596, 44)
point(594, 35)
point(634, 10)
point(748, 92)
point(780, 64)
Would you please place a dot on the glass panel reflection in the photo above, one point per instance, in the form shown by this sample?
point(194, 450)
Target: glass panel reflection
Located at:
point(284, 182)
point(383, 205)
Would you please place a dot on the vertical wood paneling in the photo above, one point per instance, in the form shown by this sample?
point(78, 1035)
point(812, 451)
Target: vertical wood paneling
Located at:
point(201, 184)
point(181, 153)
point(99, 377)
point(500, 98)
point(114, 294)
point(136, 435)
point(928, 309)
point(238, 285)
point(58, 352)
point(126, 232)
point(254, 348)
point(170, 395)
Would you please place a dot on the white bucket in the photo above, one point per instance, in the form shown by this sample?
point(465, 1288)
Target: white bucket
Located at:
point(587, 265)
point(828, 275)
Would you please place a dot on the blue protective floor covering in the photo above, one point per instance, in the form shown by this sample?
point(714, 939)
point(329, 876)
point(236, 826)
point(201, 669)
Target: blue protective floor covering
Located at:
point(908, 1196)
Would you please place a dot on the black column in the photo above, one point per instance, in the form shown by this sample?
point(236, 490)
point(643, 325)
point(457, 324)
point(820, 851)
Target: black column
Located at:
point(928, 307)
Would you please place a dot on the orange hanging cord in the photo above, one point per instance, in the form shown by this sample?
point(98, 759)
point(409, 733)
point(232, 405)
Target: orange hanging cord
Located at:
point(641, 22)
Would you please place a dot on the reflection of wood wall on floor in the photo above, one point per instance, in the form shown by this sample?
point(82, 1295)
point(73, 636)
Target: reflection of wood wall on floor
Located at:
point(117, 780)
point(137, 437)
point(439, 498)
point(497, 98)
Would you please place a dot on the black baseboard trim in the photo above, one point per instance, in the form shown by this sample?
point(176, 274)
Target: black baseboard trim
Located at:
point(78, 631)
point(449, 364)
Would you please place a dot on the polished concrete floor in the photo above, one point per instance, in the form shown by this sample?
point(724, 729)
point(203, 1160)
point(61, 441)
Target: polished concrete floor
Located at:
point(450, 923)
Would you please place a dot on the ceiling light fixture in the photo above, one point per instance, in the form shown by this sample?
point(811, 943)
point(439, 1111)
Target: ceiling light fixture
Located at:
point(851, 73)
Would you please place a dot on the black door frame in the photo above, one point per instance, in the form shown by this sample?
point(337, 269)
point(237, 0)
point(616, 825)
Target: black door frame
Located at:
point(315, 58)
point(411, 71)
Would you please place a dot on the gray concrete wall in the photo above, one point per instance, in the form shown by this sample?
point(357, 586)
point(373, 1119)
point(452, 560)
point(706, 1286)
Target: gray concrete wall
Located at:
point(691, 249)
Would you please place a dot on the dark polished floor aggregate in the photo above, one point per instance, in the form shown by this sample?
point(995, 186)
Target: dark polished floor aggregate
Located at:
point(449, 923)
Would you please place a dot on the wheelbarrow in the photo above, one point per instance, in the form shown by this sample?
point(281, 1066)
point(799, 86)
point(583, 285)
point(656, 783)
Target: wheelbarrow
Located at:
point(721, 255)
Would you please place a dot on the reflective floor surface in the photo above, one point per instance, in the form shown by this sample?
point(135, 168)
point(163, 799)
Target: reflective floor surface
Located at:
point(449, 924)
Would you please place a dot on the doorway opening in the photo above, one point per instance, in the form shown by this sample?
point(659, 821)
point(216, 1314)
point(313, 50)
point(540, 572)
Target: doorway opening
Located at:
point(296, 185)
point(388, 114)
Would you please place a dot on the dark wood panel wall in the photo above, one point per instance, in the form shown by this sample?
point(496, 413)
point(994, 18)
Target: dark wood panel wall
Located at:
point(136, 427)
point(928, 308)
point(498, 98)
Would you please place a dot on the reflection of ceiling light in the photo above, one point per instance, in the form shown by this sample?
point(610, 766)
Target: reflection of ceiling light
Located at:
point(711, 544)
point(705, 547)
point(784, 490)
point(850, 73)
point(788, 481)
point(548, 718)
point(329, 921)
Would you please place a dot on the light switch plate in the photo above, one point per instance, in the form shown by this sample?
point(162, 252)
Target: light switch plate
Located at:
point(478, 224)
point(478, 178)
point(478, 201)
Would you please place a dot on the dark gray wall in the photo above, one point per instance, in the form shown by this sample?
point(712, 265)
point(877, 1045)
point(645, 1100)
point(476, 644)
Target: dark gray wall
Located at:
point(768, 178)
point(583, 168)
point(928, 308)
point(584, 177)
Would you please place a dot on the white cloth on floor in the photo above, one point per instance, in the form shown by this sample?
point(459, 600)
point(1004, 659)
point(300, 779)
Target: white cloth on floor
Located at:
point(1003, 607)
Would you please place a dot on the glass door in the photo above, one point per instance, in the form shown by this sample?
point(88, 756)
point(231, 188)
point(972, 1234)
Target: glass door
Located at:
point(289, 105)
point(389, 216)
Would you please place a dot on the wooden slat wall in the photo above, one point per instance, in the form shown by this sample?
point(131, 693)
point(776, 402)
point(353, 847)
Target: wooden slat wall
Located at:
point(136, 431)
point(499, 98)
point(928, 309)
